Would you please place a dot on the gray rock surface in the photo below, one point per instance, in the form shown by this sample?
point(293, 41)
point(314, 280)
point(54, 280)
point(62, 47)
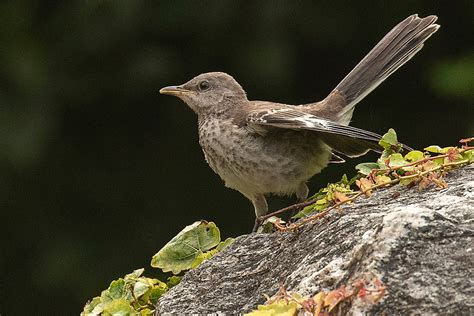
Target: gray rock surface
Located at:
point(419, 244)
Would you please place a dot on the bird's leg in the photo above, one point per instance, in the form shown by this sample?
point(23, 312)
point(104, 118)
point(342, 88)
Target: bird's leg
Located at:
point(302, 192)
point(301, 195)
point(261, 208)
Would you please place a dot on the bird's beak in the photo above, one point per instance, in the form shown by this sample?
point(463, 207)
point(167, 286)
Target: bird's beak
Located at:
point(174, 90)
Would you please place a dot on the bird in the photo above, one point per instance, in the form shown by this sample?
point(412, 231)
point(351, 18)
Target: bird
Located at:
point(260, 147)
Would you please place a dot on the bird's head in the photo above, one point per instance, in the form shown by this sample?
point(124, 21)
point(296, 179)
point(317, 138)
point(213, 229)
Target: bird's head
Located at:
point(208, 92)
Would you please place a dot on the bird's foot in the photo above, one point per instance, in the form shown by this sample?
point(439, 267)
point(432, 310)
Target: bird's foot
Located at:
point(258, 221)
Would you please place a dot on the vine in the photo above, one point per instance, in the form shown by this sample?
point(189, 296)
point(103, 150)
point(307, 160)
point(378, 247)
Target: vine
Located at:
point(415, 168)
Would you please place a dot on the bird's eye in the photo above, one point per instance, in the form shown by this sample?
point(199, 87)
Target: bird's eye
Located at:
point(203, 85)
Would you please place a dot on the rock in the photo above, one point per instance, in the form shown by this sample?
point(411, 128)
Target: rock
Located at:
point(419, 244)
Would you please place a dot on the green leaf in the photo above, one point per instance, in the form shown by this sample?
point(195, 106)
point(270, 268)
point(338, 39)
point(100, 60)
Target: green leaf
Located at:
point(321, 192)
point(367, 167)
point(173, 280)
point(118, 307)
point(224, 244)
point(140, 288)
point(211, 253)
point(155, 293)
point(135, 274)
point(319, 205)
point(180, 253)
point(344, 180)
point(397, 160)
point(304, 212)
point(98, 309)
point(117, 288)
point(203, 257)
point(147, 312)
point(280, 308)
point(132, 295)
point(414, 155)
point(468, 154)
point(438, 150)
point(91, 305)
point(433, 149)
point(389, 139)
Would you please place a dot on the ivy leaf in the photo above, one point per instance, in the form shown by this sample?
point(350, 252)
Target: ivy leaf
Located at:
point(414, 155)
point(433, 149)
point(173, 280)
point(90, 306)
point(280, 308)
point(117, 288)
point(224, 244)
point(389, 139)
point(155, 293)
point(397, 160)
point(135, 274)
point(367, 167)
point(140, 288)
point(468, 155)
point(180, 253)
point(203, 256)
point(319, 205)
point(118, 307)
point(438, 150)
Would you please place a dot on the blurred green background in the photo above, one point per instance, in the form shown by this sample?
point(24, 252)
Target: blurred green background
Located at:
point(99, 171)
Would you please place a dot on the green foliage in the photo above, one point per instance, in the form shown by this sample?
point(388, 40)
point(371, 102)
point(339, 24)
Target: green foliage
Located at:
point(414, 168)
point(182, 251)
point(390, 145)
point(280, 308)
point(285, 303)
point(366, 168)
point(414, 155)
point(389, 140)
point(137, 295)
point(133, 294)
point(190, 248)
point(326, 196)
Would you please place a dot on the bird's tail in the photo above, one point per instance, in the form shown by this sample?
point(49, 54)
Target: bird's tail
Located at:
point(394, 50)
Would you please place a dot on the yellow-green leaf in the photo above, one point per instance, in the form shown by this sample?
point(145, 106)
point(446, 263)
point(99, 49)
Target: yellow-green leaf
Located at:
point(140, 288)
point(414, 155)
point(438, 150)
point(367, 167)
point(280, 308)
point(180, 253)
point(389, 139)
point(397, 160)
point(118, 307)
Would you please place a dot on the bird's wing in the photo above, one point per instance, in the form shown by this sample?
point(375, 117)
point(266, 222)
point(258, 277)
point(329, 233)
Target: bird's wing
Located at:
point(348, 140)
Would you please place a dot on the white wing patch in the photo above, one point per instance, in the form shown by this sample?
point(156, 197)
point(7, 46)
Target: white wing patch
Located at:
point(290, 118)
point(311, 121)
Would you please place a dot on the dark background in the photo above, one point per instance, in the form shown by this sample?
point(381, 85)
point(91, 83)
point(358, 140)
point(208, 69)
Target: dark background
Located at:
point(99, 171)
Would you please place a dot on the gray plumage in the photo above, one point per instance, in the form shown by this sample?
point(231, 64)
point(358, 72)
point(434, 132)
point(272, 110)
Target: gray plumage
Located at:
point(260, 147)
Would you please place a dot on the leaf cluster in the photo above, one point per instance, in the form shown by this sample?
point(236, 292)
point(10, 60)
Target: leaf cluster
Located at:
point(325, 197)
point(413, 168)
point(132, 294)
point(135, 294)
point(286, 303)
point(187, 250)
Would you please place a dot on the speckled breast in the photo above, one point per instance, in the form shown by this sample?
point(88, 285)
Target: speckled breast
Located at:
point(277, 162)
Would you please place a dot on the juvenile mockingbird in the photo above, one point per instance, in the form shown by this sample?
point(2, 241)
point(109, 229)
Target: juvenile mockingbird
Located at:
point(261, 147)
